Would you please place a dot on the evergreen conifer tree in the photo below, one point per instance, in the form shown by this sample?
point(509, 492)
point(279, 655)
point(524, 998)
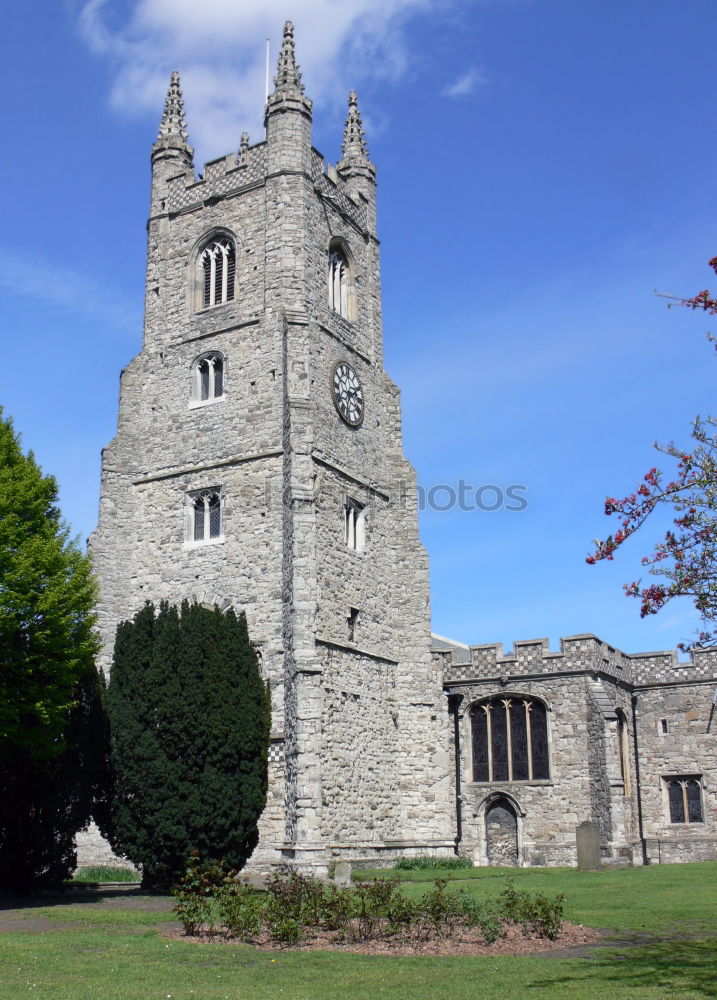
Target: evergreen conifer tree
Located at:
point(51, 725)
point(189, 718)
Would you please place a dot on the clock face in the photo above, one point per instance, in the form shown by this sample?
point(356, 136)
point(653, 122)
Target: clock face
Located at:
point(348, 393)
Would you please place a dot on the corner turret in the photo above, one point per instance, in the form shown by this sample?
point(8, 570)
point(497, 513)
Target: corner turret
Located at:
point(171, 153)
point(288, 113)
point(354, 167)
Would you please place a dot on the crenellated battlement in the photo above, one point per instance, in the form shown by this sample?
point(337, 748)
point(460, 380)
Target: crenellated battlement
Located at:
point(220, 178)
point(578, 654)
point(230, 174)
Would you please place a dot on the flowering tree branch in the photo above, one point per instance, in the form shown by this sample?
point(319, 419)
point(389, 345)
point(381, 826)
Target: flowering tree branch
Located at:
point(686, 559)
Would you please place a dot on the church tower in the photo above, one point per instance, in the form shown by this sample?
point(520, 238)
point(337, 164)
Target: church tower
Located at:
point(258, 463)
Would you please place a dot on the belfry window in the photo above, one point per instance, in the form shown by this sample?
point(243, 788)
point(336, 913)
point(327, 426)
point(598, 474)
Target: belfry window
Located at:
point(205, 520)
point(684, 796)
point(354, 525)
point(339, 287)
point(218, 267)
point(510, 739)
point(208, 375)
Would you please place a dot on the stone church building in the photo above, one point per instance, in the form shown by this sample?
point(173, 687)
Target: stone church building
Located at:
point(258, 464)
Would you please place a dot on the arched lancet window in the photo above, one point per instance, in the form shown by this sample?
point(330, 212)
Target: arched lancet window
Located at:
point(218, 270)
point(684, 795)
point(510, 739)
point(205, 516)
point(208, 377)
point(339, 282)
point(622, 750)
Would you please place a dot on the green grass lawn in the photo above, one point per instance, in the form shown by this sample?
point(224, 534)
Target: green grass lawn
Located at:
point(111, 947)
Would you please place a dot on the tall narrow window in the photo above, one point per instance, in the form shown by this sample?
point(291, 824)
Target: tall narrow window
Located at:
point(510, 740)
point(205, 517)
point(353, 617)
point(218, 263)
point(208, 378)
point(339, 283)
point(623, 752)
point(684, 796)
point(354, 525)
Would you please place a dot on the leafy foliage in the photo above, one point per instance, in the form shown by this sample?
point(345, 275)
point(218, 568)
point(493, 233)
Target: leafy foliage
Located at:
point(686, 559)
point(52, 728)
point(46, 598)
point(104, 873)
point(295, 906)
point(408, 864)
point(190, 720)
point(534, 911)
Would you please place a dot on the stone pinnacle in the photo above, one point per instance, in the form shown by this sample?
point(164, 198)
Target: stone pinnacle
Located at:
point(173, 122)
point(288, 77)
point(354, 144)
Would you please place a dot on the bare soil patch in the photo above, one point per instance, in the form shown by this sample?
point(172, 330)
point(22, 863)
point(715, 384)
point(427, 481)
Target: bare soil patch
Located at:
point(466, 942)
point(20, 921)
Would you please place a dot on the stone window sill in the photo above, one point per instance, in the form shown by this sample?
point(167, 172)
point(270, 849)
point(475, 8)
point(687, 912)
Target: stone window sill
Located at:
point(195, 404)
point(204, 543)
point(538, 782)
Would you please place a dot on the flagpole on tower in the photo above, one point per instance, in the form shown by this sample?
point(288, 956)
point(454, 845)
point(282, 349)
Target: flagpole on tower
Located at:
point(266, 73)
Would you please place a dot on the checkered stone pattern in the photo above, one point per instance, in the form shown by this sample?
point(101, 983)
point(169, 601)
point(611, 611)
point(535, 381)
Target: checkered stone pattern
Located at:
point(221, 178)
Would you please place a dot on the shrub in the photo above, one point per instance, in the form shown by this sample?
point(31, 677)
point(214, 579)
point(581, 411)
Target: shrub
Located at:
point(402, 914)
point(297, 904)
point(337, 909)
point(196, 892)
point(487, 916)
point(440, 909)
point(373, 904)
point(534, 912)
point(432, 864)
point(242, 910)
point(544, 916)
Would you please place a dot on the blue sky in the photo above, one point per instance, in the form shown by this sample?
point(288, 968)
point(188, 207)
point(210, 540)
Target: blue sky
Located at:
point(544, 167)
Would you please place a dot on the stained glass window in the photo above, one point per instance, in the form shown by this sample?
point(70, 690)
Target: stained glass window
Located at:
point(510, 739)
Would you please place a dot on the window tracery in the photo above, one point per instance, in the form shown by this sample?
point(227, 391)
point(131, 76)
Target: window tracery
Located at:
point(339, 282)
point(218, 265)
point(684, 796)
point(510, 739)
point(208, 378)
point(205, 521)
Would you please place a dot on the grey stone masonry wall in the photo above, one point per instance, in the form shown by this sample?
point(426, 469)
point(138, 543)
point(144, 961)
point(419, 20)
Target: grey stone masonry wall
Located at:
point(609, 756)
point(359, 764)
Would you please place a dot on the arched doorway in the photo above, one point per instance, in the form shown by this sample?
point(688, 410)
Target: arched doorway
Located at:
point(501, 834)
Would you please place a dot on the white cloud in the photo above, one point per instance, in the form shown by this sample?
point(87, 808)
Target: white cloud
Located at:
point(71, 292)
point(465, 85)
point(218, 47)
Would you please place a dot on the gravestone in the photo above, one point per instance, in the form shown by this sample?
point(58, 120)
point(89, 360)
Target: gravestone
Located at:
point(587, 837)
point(342, 874)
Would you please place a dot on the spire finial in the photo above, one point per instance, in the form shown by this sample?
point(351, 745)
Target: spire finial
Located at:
point(354, 145)
point(173, 122)
point(288, 77)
